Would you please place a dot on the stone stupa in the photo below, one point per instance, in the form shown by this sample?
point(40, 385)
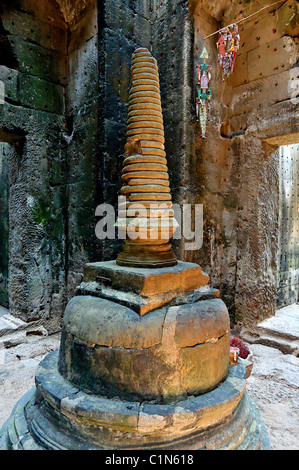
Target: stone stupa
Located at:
point(145, 174)
point(144, 355)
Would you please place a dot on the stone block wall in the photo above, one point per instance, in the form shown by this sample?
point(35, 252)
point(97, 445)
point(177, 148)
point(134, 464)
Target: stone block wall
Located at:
point(66, 70)
point(253, 112)
point(235, 173)
point(66, 73)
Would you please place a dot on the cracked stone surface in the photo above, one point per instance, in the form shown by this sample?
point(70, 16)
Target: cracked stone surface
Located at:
point(108, 348)
point(273, 385)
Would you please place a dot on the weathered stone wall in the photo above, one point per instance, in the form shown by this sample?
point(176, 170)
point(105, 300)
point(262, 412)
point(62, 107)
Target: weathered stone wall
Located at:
point(252, 114)
point(124, 26)
point(34, 73)
point(288, 253)
point(172, 46)
point(81, 137)
point(66, 70)
point(225, 174)
point(50, 118)
point(235, 173)
point(66, 93)
point(4, 222)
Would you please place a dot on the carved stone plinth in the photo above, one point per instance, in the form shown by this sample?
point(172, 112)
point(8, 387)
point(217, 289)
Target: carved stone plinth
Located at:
point(59, 416)
point(142, 289)
point(122, 380)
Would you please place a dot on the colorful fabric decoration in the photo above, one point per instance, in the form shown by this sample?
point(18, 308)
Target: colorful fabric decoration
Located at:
point(228, 45)
point(204, 92)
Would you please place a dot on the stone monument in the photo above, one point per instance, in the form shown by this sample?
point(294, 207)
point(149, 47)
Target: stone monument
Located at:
point(144, 355)
point(145, 174)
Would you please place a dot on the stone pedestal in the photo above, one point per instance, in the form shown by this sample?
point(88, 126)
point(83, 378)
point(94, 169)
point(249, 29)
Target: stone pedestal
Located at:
point(59, 416)
point(144, 290)
point(143, 364)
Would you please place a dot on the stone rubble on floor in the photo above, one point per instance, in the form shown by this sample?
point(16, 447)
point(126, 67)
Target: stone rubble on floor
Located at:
point(14, 331)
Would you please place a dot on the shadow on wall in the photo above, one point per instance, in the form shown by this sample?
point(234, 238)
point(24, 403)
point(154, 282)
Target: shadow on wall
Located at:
point(4, 223)
point(6, 54)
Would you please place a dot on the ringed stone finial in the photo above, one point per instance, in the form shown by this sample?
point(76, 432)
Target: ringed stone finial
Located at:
point(146, 216)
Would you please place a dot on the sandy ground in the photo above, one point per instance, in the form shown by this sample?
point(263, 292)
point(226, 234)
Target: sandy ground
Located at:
point(274, 386)
point(17, 370)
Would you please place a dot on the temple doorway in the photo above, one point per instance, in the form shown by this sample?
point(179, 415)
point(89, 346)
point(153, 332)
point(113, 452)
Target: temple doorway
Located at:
point(4, 222)
point(288, 251)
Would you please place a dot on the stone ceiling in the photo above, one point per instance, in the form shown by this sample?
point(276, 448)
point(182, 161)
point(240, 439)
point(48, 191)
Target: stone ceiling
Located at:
point(220, 10)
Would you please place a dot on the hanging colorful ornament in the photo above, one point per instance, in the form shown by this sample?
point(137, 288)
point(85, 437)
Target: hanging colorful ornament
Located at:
point(204, 92)
point(228, 45)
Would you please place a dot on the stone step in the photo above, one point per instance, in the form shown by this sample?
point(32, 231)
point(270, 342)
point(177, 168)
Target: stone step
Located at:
point(12, 340)
point(252, 436)
point(283, 345)
point(284, 324)
point(24, 336)
point(280, 332)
